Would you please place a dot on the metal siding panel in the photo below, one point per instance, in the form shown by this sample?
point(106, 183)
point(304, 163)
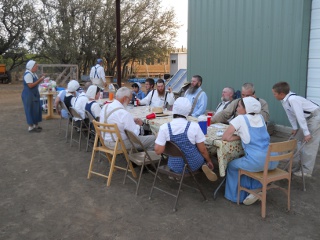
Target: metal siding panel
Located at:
point(231, 42)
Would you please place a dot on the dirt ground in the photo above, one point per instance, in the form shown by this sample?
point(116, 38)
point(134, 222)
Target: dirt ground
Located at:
point(45, 194)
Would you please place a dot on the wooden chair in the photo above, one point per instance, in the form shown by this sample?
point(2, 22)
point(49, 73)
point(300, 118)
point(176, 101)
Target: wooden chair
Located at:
point(119, 148)
point(142, 159)
point(172, 150)
point(80, 128)
point(91, 131)
point(64, 107)
point(279, 151)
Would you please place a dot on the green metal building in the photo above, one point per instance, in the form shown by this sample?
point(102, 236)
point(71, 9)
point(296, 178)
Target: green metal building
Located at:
point(231, 42)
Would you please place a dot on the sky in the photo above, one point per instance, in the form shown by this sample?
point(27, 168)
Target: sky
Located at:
point(181, 10)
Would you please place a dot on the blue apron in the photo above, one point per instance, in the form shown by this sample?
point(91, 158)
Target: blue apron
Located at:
point(88, 108)
point(253, 161)
point(31, 102)
point(191, 152)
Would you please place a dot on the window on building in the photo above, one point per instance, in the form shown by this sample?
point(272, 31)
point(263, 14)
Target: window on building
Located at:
point(173, 61)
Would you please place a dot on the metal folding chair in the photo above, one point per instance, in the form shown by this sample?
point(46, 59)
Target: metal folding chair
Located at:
point(80, 128)
point(91, 132)
point(64, 107)
point(142, 159)
point(172, 150)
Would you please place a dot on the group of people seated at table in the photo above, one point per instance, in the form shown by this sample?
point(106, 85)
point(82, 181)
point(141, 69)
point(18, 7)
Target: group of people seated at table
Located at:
point(247, 116)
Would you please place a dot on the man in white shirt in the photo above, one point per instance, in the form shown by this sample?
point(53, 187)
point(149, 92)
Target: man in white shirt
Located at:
point(307, 114)
point(116, 113)
point(97, 75)
point(159, 97)
point(226, 98)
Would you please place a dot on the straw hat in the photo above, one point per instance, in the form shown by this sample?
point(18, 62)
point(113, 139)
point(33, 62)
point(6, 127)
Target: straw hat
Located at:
point(157, 110)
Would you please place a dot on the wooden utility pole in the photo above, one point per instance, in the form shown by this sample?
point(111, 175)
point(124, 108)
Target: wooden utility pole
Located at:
point(118, 43)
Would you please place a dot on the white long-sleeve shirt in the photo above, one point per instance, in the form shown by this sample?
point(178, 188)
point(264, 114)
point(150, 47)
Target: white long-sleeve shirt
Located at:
point(296, 108)
point(156, 100)
point(80, 104)
point(97, 75)
point(121, 117)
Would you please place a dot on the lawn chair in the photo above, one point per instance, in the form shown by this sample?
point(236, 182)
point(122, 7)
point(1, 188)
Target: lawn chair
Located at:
point(80, 128)
point(64, 107)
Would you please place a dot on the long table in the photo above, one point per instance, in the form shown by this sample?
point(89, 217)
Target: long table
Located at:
point(226, 151)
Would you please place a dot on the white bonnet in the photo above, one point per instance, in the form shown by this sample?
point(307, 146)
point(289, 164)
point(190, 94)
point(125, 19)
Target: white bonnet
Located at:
point(91, 92)
point(73, 86)
point(252, 105)
point(30, 64)
point(182, 106)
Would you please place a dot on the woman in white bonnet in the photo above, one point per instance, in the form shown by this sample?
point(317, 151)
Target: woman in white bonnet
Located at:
point(255, 139)
point(31, 97)
point(189, 138)
point(93, 93)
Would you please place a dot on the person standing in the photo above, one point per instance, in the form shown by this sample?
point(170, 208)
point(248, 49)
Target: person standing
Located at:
point(97, 75)
point(31, 96)
point(307, 114)
point(197, 97)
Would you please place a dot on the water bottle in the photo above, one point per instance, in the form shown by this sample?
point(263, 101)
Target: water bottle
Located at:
point(135, 102)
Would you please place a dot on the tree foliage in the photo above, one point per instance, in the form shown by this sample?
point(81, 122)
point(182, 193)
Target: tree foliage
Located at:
point(80, 31)
point(16, 20)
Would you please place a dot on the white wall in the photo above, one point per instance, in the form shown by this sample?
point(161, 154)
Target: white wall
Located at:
point(313, 84)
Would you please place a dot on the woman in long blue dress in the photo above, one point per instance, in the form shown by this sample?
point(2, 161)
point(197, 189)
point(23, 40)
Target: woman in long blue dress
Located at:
point(255, 139)
point(31, 97)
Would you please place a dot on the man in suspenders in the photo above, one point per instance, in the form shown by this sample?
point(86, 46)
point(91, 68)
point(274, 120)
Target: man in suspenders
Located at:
point(197, 97)
point(226, 99)
point(116, 113)
point(97, 75)
point(307, 114)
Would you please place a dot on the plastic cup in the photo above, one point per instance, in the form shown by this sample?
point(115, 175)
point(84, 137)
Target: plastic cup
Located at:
point(208, 120)
point(111, 94)
point(151, 116)
point(210, 114)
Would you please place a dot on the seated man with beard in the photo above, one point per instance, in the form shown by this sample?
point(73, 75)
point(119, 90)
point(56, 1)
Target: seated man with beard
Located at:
point(226, 98)
point(159, 97)
point(197, 97)
point(115, 113)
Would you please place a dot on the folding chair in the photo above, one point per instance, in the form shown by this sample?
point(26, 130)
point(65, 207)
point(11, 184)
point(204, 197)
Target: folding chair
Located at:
point(142, 159)
point(279, 151)
point(80, 128)
point(111, 154)
point(91, 131)
point(64, 107)
point(172, 150)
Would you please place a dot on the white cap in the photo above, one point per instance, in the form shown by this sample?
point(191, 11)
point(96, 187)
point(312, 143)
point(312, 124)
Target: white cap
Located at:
point(91, 92)
point(30, 64)
point(252, 105)
point(182, 106)
point(73, 86)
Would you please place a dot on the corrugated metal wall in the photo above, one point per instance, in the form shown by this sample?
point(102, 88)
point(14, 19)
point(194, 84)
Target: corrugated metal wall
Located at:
point(313, 90)
point(231, 42)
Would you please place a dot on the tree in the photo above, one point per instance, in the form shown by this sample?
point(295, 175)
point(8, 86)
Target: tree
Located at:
point(16, 19)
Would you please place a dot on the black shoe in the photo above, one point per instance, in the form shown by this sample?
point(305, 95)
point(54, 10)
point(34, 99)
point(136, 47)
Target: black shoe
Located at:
point(34, 130)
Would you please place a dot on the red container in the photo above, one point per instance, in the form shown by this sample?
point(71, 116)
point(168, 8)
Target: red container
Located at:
point(210, 114)
point(208, 120)
point(151, 116)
